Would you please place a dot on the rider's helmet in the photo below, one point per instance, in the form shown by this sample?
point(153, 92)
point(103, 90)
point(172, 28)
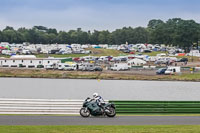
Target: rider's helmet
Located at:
point(95, 95)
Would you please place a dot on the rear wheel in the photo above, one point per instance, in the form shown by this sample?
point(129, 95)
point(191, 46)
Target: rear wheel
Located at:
point(84, 112)
point(111, 112)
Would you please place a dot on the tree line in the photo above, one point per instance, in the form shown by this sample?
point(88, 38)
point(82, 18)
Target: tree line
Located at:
point(175, 32)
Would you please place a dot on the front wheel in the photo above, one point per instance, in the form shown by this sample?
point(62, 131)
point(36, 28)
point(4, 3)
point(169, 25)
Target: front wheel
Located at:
point(84, 112)
point(110, 112)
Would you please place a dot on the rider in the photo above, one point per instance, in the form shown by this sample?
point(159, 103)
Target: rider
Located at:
point(99, 100)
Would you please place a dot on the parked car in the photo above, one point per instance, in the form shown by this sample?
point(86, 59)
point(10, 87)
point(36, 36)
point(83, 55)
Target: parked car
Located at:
point(126, 51)
point(160, 62)
point(98, 68)
point(103, 58)
point(124, 59)
point(161, 71)
point(182, 60)
point(76, 59)
point(49, 67)
point(40, 66)
point(115, 59)
point(147, 51)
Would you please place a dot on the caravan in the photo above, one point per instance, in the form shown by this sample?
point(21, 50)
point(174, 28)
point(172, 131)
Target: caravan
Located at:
point(90, 67)
point(136, 62)
point(67, 66)
point(120, 67)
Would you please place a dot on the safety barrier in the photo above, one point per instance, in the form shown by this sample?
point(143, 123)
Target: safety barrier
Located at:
point(131, 107)
point(65, 106)
point(39, 106)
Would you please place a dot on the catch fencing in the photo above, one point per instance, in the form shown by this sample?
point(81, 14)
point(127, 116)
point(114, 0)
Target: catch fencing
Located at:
point(134, 107)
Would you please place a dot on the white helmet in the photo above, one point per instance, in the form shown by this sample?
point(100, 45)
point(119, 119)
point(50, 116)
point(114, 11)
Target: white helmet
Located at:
point(95, 95)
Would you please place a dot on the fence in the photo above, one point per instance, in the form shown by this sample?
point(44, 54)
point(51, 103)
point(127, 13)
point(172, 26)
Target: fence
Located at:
point(130, 107)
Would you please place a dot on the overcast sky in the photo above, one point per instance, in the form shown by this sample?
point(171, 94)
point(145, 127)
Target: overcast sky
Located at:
point(93, 14)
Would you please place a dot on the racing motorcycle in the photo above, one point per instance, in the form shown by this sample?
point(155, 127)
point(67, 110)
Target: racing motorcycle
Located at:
point(90, 107)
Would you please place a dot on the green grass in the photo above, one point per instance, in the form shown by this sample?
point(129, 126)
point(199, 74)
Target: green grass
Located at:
point(95, 52)
point(105, 52)
point(100, 129)
point(5, 56)
point(60, 56)
point(31, 73)
point(187, 77)
point(154, 53)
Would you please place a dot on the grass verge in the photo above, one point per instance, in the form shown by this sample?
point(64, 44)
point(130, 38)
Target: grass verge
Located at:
point(100, 129)
point(42, 73)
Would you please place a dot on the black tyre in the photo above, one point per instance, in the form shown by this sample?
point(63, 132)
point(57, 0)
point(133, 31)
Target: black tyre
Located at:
point(84, 112)
point(111, 112)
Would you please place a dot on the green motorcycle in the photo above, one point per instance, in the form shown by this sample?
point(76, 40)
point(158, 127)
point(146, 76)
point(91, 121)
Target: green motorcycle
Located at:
point(90, 107)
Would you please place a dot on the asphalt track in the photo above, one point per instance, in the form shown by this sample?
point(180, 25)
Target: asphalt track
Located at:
point(119, 120)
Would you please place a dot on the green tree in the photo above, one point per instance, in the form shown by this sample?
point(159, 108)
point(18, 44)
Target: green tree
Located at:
point(9, 35)
point(93, 38)
point(1, 36)
point(63, 37)
point(186, 34)
point(140, 35)
point(154, 23)
point(52, 31)
point(104, 37)
point(8, 28)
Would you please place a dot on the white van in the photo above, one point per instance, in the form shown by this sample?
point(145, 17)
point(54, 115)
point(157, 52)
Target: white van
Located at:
point(120, 67)
point(173, 70)
point(67, 66)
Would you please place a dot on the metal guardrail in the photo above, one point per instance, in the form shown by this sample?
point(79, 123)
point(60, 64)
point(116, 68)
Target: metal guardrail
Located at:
point(39, 106)
point(72, 107)
point(132, 107)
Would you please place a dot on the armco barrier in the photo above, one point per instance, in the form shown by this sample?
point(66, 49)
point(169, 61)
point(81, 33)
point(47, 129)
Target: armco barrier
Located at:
point(64, 106)
point(39, 106)
point(131, 107)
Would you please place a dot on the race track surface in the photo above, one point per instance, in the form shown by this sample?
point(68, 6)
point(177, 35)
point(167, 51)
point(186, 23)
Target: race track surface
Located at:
point(118, 120)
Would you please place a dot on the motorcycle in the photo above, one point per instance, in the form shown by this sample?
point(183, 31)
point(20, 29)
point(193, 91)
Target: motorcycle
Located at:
point(90, 107)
